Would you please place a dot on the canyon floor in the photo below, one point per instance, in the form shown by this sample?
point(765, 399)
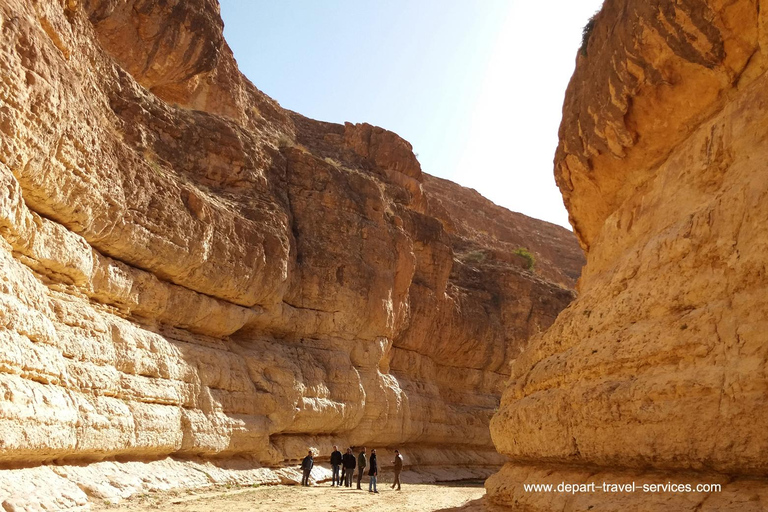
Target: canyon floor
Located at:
point(290, 498)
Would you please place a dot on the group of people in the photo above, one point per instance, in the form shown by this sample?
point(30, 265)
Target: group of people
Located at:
point(343, 467)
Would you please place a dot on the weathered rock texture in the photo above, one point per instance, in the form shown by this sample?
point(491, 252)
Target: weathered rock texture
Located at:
point(657, 372)
point(188, 270)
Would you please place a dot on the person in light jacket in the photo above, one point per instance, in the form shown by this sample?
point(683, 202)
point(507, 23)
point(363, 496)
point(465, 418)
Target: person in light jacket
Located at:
point(335, 463)
point(306, 467)
point(373, 471)
point(362, 462)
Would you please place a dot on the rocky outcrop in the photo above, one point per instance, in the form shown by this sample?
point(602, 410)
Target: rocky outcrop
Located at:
point(478, 223)
point(190, 271)
point(656, 373)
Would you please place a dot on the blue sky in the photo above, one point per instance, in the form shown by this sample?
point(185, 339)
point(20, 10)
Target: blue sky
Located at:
point(475, 85)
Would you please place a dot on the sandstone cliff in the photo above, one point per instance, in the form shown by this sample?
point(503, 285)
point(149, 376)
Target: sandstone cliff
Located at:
point(189, 270)
point(657, 372)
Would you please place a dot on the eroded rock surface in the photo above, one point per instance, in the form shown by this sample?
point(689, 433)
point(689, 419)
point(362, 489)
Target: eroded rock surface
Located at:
point(657, 372)
point(188, 270)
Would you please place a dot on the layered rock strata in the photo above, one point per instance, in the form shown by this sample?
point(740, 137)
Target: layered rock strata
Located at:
point(190, 271)
point(657, 372)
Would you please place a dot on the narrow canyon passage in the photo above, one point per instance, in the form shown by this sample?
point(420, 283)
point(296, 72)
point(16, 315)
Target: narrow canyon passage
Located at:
point(198, 287)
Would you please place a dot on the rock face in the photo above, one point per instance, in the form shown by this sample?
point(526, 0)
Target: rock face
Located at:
point(657, 372)
point(188, 270)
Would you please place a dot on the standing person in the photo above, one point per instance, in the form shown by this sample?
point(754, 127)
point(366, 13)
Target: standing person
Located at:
point(398, 462)
point(373, 471)
point(306, 466)
point(361, 463)
point(349, 466)
point(335, 463)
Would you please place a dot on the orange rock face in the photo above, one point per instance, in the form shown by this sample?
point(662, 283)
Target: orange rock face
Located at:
point(188, 270)
point(656, 373)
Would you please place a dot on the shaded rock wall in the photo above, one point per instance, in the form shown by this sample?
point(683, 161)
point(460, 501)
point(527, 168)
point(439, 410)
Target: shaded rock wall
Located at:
point(188, 270)
point(657, 372)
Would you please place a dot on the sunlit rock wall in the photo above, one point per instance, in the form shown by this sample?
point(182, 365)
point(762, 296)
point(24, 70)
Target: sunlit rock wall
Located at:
point(190, 271)
point(657, 372)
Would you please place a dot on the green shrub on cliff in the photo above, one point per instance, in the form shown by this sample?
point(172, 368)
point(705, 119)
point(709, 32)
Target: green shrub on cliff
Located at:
point(529, 258)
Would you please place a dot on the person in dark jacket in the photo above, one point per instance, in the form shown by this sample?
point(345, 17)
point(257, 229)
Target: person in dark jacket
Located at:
point(349, 467)
point(373, 471)
point(398, 463)
point(306, 466)
point(335, 463)
point(362, 462)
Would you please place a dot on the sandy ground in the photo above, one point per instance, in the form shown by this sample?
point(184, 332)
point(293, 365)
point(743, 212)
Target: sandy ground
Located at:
point(321, 498)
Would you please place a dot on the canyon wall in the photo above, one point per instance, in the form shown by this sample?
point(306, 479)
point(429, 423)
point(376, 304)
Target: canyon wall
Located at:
point(192, 274)
point(657, 372)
